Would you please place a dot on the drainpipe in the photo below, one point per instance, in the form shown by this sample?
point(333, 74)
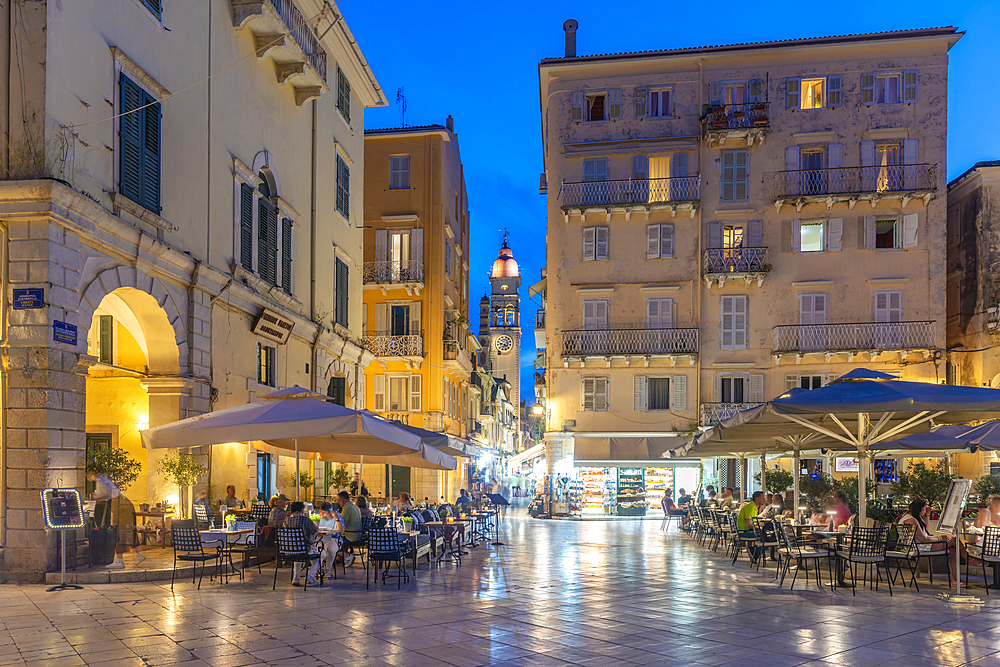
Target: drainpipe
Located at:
point(312, 249)
point(3, 391)
point(698, 245)
point(7, 49)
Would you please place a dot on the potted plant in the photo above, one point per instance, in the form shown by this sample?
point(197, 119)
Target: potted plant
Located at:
point(114, 464)
point(183, 471)
point(306, 481)
point(337, 479)
point(760, 120)
point(407, 523)
point(777, 481)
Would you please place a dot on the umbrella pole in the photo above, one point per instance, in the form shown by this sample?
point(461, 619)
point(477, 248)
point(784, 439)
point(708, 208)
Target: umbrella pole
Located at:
point(763, 472)
point(862, 475)
point(795, 480)
point(298, 477)
point(361, 474)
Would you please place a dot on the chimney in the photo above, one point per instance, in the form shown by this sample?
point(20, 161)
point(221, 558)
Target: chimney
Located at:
point(450, 124)
point(570, 28)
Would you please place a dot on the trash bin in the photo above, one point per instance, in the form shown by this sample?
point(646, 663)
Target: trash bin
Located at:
point(102, 545)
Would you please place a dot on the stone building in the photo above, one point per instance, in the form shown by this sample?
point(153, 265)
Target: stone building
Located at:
point(183, 186)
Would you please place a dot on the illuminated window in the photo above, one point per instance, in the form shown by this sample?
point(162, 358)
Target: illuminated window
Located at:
point(265, 364)
point(813, 91)
point(812, 237)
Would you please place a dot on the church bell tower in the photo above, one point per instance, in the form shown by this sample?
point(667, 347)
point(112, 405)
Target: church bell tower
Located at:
point(500, 321)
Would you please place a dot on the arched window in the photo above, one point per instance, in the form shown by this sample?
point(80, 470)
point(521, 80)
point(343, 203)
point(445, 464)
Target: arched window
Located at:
point(509, 319)
point(265, 239)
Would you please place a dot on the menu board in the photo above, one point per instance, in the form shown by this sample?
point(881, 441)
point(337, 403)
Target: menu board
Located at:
point(62, 509)
point(954, 503)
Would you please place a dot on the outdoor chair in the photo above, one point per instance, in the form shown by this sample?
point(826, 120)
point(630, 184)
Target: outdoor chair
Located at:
point(201, 516)
point(867, 548)
point(718, 530)
point(294, 548)
point(905, 551)
point(260, 513)
point(738, 541)
point(800, 551)
point(764, 539)
point(988, 552)
point(248, 543)
point(384, 547)
point(188, 548)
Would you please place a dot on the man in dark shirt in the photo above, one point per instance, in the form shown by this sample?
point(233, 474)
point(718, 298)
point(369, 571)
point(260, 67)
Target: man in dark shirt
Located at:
point(296, 518)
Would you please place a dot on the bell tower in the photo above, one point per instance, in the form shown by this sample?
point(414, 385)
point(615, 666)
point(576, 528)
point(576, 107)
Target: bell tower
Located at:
point(500, 321)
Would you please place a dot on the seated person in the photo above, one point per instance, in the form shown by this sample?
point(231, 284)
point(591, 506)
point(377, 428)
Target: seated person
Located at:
point(838, 505)
point(463, 498)
point(402, 503)
point(366, 512)
point(710, 501)
point(231, 501)
point(749, 510)
point(278, 513)
point(295, 518)
point(684, 499)
point(918, 515)
point(727, 501)
point(989, 515)
point(670, 509)
point(331, 520)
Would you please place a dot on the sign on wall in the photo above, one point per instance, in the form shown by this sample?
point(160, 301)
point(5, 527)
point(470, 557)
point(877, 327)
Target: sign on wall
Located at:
point(63, 332)
point(272, 326)
point(29, 298)
point(846, 464)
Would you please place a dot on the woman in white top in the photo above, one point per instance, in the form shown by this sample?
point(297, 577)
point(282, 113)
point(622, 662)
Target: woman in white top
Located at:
point(989, 515)
point(918, 515)
point(403, 503)
point(331, 520)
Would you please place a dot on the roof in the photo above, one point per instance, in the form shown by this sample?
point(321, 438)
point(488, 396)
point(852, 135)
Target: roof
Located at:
point(780, 43)
point(979, 165)
point(409, 129)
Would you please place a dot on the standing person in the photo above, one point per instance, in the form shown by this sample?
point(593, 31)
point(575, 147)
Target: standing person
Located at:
point(358, 487)
point(106, 493)
point(296, 519)
point(352, 524)
point(838, 505)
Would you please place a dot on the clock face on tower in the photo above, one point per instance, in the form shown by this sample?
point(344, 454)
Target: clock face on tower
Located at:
point(504, 343)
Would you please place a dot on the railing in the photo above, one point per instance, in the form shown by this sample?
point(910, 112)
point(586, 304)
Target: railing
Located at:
point(631, 191)
point(385, 345)
point(736, 260)
point(488, 409)
point(629, 341)
point(540, 379)
point(859, 336)
point(451, 349)
point(540, 319)
point(713, 413)
point(856, 180)
point(303, 34)
point(735, 116)
point(410, 271)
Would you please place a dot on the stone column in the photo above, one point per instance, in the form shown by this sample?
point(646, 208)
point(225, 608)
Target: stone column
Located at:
point(169, 398)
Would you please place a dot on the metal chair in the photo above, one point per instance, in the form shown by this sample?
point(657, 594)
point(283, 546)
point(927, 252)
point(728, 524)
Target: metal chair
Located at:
point(867, 548)
point(201, 515)
point(294, 548)
point(188, 547)
point(260, 513)
point(987, 552)
point(905, 550)
point(248, 544)
point(738, 540)
point(384, 547)
point(763, 540)
point(798, 550)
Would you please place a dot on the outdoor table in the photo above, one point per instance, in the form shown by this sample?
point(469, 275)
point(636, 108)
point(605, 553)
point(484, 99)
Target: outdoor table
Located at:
point(162, 516)
point(222, 539)
point(838, 538)
point(452, 548)
point(470, 534)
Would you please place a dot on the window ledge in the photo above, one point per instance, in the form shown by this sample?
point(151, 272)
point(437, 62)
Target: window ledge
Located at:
point(264, 288)
point(123, 203)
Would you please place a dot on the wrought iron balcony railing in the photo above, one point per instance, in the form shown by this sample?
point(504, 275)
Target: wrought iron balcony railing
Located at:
point(850, 337)
point(631, 191)
point(583, 342)
point(735, 116)
point(736, 260)
point(713, 413)
point(302, 34)
point(386, 345)
point(409, 271)
point(856, 180)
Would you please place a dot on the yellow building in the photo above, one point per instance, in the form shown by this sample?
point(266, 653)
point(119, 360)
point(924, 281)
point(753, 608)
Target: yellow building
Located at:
point(416, 292)
point(728, 222)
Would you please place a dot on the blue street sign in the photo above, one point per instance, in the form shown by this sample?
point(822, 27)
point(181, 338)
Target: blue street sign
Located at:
point(28, 299)
point(63, 332)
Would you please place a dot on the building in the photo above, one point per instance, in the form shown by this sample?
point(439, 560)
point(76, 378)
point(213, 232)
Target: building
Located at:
point(974, 290)
point(190, 247)
point(416, 292)
point(729, 222)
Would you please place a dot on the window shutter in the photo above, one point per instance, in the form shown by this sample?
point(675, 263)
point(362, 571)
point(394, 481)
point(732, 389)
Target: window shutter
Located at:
point(601, 394)
point(589, 243)
point(246, 226)
point(870, 232)
point(666, 240)
point(601, 243)
point(381, 319)
point(910, 86)
point(756, 388)
point(106, 335)
point(640, 167)
point(416, 387)
point(679, 385)
point(742, 167)
point(911, 154)
point(641, 104)
point(739, 322)
point(343, 187)
point(834, 234)
point(415, 315)
point(286, 256)
point(895, 306)
point(576, 115)
point(791, 158)
point(267, 241)
point(726, 323)
point(652, 241)
point(343, 277)
point(792, 93)
point(639, 393)
point(154, 7)
point(151, 155)
point(653, 313)
point(381, 245)
point(756, 91)
point(835, 156)
point(615, 104)
point(417, 245)
point(910, 230)
point(867, 88)
point(601, 307)
point(715, 235)
point(756, 234)
point(867, 153)
point(833, 91)
point(380, 393)
point(796, 235)
point(130, 141)
point(679, 165)
point(343, 93)
point(715, 93)
point(588, 394)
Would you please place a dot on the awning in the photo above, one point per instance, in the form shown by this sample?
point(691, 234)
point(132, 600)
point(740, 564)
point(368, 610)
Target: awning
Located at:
point(527, 455)
point(622, 449)
point(656, 463)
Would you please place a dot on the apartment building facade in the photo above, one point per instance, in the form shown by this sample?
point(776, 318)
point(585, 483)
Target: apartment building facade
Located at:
point(416, 289)
point(185, 246)
point(729, 222)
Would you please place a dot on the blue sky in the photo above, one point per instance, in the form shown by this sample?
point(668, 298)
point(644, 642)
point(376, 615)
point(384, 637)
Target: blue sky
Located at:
point(479, 63)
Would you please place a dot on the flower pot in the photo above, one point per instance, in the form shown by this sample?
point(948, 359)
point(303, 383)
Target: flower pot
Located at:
point(760, 120)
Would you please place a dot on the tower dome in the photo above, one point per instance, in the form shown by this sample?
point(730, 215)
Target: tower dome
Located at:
point(505, 265)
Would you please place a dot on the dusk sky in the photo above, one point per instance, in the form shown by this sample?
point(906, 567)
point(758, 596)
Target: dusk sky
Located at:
point(479, 63)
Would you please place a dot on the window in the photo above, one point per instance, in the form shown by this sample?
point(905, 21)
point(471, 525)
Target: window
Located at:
point(813, 236)
point(596, 107)
point(342, 292)
point(733, 389)
point(595, 394)
point(735, 175)
point(343, 95)
point(447, 258)
point(812, 91)
point(659, 103)
point(595, 313)
point(659, 313)
point(263, 476)
point(887, 233)
point(343, 187)
point(106, 339)
point(657, 393)
point(265, 364)
point(736, 92)
point(399, 172)
point(738, 388)
point(595, 243)
point(154, 7)
point(659, 241)
point(888, 87)
point(812, 315)
point(405, 393)
point(733, 335)
point(139, 145)
point(337, 390)
point(267, 234)
point(399, 393)
point(817, 235)
point(796, 381)
point(595, 169)
point(286, 255)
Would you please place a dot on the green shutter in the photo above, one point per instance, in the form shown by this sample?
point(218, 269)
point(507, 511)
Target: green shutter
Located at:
point(343, 95)
point(130, 146)
point(106, 335)
point(343, 187)
point(338, 390)
point(342, 292)
point(267, 242)
point(246, 226)
point(286, 255)
point(151, 155)
point(154, 7)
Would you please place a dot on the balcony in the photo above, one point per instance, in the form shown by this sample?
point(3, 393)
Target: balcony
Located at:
point(674, 343)
point(540, 330)
point(854, 184)
point(455, 357)
point(281, 32)
point(713, 413)
point(407, 274)
point(672, 194)
point(410, 348)
point(746, 264)
point(745, 123)
point(859, 339)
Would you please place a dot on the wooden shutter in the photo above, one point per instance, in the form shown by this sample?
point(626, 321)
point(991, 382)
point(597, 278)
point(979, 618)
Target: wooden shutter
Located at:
point(417, 245)
point(380, 393)
point(756, 88)
point(588, 393)
point(601, 307)
point(415, 317)
point(796, 235)
point(601, 394)
point(615, 104)
point(576, 115)
point(679, 165)
point(381, 319)
point(867, 88)
point(267, 241)
point(741, 173)
point(867, 153)
point(911, 154)
point(641, 104)
point(666, 240)
point(715, 93)
point(726, 323)
point(154, 7)
point(755, 232)
point(286, 255)
point(640, 167)
point(910, 86)
point(834, 234)
point(343, 287)
point(106, 339)
point(130, 140)
point(639, 393)
point(381, 245)
point(394, 172)
point(740, 307)
point(792, 97)
point(652, 241)
point(888, 306)
point(601, 244)
point(791, 158)
point(246, 226)
point(678, 386)
point(910, 230)
point(343, 187)
point(715, 235)
point(416, 393)
point(834, 98)
point(589, 243)
point(870, 232)
point(151, 155)
point(756, 388)
point(835, 156)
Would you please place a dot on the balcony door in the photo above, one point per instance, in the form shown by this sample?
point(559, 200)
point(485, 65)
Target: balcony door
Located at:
point(812, 173)
point(399, 253)
point(888, 175)
point(888, 311)
point(812, 321)
point(595, 322)
point(595, 175)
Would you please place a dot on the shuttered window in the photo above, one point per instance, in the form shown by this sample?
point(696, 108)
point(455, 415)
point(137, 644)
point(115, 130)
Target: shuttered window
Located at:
point(106, 344)
point(342, 292)
point(733, 333)
point(888, 306)
point(735, 175)
point(399, 172)
point(246, 226)
point(343, 188)
point(337, 390)
point(139, 145)
point(265, 364)
point(154, 7)
point(659, 313)
point(286, 255)
point(343, 95)
point(595, 394)
point(595, 243)
point(267, 241)
point(659, 241)
point(595, 314)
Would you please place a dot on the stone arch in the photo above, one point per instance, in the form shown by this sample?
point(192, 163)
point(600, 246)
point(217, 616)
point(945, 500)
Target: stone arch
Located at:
point(264, 161)
point(154, 311)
